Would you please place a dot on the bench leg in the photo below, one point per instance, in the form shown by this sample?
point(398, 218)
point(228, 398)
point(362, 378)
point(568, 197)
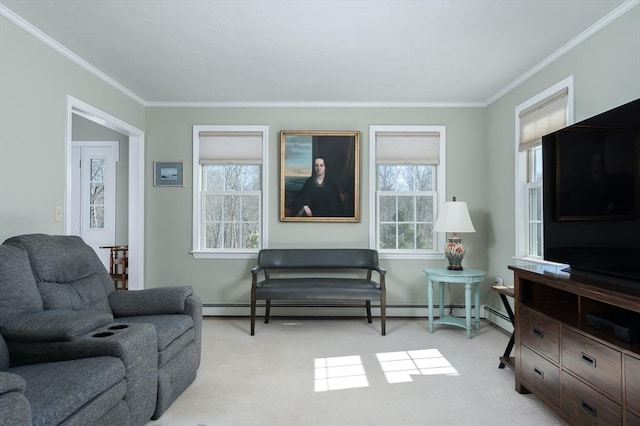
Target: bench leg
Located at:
point(253, 312)
point(267, 311)
point(368, 305)
point(383, 314)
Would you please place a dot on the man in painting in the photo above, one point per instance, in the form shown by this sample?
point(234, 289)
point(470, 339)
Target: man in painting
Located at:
point(319, 196)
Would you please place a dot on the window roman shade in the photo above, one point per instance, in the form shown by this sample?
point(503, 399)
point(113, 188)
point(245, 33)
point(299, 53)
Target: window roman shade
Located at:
point(545, 117)
point(407, 148)
point(230, 147)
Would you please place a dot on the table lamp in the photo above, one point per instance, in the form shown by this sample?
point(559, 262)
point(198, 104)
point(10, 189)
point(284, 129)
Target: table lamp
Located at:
point(454, 218)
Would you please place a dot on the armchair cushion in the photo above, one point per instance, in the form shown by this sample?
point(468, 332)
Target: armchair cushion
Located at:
point(94, 384)
point(69, 273)
point(19, 291)
point(14, 406)
point(80, 294)
point(10, 382)
point(168, 327)
point(153, 301)
point(53, 326)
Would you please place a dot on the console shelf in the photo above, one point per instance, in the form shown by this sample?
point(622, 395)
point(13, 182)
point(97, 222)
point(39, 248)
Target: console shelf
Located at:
point(585, 374)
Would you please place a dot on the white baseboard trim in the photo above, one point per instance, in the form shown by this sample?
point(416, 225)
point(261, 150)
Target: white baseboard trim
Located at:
point(497, 317)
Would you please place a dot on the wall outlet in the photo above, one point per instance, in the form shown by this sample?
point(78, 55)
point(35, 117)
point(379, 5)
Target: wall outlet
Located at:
point(58, 214)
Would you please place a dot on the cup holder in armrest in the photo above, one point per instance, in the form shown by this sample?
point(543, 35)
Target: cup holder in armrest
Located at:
point(103, 334)
point(118, 327)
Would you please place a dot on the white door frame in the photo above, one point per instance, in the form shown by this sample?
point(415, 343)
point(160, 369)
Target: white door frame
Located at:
point(136, 181)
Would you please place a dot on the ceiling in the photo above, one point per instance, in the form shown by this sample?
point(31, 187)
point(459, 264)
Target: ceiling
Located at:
point(465, 52)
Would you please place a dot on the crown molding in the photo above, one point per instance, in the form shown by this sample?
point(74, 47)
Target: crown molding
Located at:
point(17, 20)
point(337, 104)
point(576, 41)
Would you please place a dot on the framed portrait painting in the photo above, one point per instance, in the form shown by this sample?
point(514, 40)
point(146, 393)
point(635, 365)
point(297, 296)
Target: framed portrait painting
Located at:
point(319, 176)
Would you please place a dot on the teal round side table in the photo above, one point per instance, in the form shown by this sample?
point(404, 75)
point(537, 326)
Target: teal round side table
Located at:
point(471, 278)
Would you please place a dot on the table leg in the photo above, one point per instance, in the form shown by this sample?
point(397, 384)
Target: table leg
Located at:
point(477, 301)
point(441, 301)
point(507, 350)
point(430, 303)
point(467, 307)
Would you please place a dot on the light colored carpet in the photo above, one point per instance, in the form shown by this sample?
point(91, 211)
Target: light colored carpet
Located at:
point(307, 372)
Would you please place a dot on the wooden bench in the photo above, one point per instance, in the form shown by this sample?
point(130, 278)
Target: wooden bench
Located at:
point(310, 274)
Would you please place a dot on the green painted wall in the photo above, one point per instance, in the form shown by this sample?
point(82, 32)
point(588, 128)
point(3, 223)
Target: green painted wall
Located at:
point(34, 83)
point(169, 218)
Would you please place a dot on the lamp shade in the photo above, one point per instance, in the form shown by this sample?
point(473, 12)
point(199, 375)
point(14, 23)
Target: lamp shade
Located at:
point(454, 217)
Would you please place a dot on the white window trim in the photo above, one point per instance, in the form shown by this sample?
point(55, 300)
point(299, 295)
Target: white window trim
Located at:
point(521, 212)
point(441, 173)
point(197, 251)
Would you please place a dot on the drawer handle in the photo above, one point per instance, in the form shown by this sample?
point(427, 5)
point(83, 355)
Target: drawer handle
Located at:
point(538, 372)
point(537, 332)
point(592, 411)
point(588, 360)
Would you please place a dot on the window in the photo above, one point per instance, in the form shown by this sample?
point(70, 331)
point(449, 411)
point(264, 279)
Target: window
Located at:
point(407, 176)
point(549, 111)
point(229, 190)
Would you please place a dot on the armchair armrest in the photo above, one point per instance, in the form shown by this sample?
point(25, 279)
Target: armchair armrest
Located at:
point(136, 345)
point(54, 325)
point(153, 301)
point(14, 407)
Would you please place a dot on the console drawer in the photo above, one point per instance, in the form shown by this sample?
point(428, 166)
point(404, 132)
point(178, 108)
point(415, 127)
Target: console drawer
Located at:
point(593, 362)
point(631, 419)
point(539, 332)
point(586, 406)
point(540, 373)
point(631, 369)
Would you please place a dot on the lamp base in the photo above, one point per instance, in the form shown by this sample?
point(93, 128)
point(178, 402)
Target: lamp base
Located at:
point(455, 250)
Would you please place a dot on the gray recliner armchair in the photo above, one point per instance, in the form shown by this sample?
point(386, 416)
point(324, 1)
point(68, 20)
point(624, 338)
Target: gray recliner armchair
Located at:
point(64, 306)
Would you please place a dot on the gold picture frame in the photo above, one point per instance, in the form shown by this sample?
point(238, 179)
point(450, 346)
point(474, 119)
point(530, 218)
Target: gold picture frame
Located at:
point(319, 176)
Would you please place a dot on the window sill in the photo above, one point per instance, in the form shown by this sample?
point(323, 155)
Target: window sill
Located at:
point(411, 255)
point(225, 254)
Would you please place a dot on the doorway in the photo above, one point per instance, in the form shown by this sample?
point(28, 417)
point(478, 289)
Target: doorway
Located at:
point(135, 188)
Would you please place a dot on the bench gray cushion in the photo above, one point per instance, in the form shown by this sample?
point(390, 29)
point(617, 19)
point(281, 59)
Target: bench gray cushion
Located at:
point(318, 288)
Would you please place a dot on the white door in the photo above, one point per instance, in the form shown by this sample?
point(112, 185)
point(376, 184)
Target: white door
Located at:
point(93, 191)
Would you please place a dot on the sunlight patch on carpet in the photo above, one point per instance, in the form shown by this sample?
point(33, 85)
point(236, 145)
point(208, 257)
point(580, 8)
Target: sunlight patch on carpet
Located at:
point(399, 366)
point(347, 372)
point(342, 372)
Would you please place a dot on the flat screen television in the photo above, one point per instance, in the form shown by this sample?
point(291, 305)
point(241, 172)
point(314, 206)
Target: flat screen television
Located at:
point(591, 194)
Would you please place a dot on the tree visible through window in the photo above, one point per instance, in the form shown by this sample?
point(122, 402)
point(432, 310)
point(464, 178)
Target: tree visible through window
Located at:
point(231, 203)
point(96, 193)
point(406, 206)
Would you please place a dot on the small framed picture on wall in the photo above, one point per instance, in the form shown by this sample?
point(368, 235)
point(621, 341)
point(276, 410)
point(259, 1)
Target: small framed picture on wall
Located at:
point(167, 173)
